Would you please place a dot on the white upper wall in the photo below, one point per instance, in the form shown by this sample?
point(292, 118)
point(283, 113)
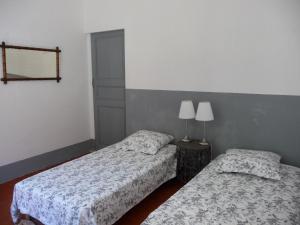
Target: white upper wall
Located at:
point(250, 46)
point(41, 116)
point(195, 45)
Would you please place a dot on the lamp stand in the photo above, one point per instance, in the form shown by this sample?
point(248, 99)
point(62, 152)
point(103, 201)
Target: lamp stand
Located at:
point(186, 137)
point(203, 141)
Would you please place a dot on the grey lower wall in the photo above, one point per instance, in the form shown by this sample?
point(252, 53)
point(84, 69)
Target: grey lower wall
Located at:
point(266, 122)
point(20, 168)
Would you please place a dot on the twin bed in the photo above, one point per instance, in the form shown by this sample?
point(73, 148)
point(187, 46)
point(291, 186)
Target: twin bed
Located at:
point(213, 198)
point(97, 188)
point(102, 186)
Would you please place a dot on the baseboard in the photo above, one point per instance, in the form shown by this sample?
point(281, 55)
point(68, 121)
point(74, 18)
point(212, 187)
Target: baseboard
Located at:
point(23, 167)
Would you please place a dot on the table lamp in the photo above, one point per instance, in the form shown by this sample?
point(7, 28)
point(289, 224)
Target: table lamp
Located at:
point(186, 112)
point(204, 114)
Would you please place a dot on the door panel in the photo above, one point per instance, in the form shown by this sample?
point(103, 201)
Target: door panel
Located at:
point(111, 93)
point(110, 63)
point(111, 124)
point(109, 86)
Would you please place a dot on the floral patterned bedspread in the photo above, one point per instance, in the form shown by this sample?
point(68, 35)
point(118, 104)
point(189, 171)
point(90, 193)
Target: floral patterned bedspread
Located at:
point(97, 188)
point(233, 199)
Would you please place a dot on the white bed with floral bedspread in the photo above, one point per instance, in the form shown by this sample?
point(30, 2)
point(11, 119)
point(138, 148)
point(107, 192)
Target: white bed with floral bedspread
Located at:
point(97, 188)
point(213, 198)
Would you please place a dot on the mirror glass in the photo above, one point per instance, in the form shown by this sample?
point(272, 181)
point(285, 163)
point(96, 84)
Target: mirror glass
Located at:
point(23, 63)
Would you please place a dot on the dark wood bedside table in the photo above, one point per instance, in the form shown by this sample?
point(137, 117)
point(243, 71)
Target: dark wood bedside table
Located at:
point(191, 159)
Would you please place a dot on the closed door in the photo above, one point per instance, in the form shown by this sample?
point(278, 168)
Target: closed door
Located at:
point(108, 66)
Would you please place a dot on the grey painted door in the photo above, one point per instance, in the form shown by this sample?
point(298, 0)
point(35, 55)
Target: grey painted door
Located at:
point(108, 66)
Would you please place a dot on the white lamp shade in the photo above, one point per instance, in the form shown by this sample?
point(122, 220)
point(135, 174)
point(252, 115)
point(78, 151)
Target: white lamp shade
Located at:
point(187, 110)
point(204, 112)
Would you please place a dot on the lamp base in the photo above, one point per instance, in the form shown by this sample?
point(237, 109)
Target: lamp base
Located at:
point(185, 139)
point(203, 142)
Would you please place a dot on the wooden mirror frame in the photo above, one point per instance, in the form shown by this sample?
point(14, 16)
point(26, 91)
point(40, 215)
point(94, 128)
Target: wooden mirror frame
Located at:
point(5, 78)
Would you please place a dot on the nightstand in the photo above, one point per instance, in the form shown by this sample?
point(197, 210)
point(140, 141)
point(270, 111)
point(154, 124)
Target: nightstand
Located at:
point(191, 159)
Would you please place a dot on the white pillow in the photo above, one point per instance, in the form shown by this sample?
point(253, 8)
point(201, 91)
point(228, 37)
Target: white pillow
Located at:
point(260, 153)
point(148, 142)
point(259, 163)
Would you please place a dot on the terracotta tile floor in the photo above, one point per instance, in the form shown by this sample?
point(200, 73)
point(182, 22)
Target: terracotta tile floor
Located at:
point(135, 216)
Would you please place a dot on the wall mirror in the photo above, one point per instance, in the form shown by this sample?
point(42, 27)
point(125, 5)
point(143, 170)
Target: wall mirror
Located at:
point(27, 63)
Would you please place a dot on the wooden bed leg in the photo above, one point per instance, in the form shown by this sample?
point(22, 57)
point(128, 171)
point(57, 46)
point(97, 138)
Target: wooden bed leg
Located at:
point(18, 221)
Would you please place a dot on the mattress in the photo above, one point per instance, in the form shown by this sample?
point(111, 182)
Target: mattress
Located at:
point(97, 188)
point(212, 198)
